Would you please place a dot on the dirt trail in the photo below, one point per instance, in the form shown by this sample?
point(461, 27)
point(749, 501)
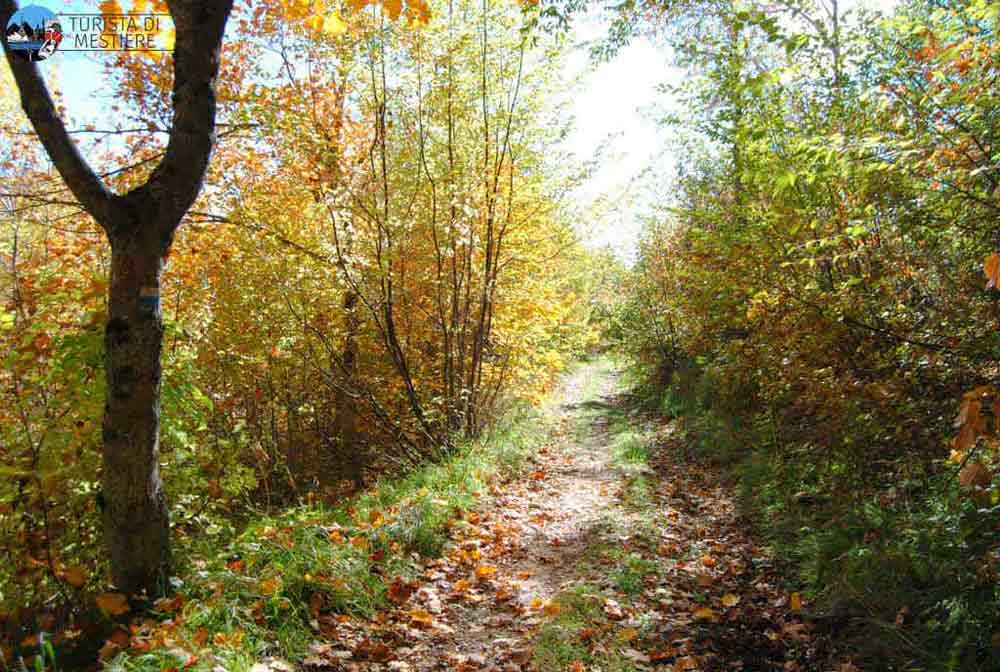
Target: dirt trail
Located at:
point(533, 535)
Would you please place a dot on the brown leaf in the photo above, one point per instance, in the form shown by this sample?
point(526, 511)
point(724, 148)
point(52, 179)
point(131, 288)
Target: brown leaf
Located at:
point(400, 590)
point(374, 651)
point(75, 576)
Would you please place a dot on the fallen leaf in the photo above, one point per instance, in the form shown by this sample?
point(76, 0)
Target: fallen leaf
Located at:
point(421, 618)
point(270, 586)
point(613, 610)
point(484, 572)
point(627, 635)
point(731, 599)
point(705, 614)
point(75, 576)
point(373, 651)
point(112, 604)
point(400, 591)
point(795, 602)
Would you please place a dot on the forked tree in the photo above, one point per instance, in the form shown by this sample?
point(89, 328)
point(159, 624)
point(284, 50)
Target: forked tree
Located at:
point(140, 226)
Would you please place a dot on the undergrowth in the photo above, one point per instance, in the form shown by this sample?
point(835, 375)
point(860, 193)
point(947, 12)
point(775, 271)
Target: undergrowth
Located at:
point(260, 593)
point(903, 571)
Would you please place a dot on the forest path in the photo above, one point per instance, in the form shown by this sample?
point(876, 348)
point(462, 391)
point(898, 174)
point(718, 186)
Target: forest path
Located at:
point(528, 545)
point(615, 550)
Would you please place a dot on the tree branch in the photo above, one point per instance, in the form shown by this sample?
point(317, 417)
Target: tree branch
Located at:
point(37, 104)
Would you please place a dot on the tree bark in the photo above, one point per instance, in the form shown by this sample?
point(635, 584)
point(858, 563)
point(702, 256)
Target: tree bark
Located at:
point(136, 524)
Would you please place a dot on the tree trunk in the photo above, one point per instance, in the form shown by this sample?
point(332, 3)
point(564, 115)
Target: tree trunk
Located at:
point(136, 525)
point(347, 414)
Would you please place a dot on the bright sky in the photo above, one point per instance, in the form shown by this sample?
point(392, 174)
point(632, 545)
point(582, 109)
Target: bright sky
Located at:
point(614, 111)
point(614, 108)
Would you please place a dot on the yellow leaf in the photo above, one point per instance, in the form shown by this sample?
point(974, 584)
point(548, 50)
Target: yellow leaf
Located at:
point(551, 608)
point(333, 25)
point(730, 599)
point(795, 602)
point(112, 604)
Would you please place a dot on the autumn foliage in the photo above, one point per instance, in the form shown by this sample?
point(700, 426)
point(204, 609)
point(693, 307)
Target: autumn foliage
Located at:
point(820, 303)
point(378, 268)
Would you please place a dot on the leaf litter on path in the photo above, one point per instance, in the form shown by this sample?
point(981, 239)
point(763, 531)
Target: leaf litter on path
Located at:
point(683, 585)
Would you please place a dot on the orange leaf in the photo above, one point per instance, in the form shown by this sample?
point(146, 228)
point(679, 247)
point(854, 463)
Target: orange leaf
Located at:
point(270, 586)
point(705, 614)
point(75, 576)
point(484, 572)
point(112, 604)
point(795, 602)
point(421, 617)
point(992, 270)
point(392, 8)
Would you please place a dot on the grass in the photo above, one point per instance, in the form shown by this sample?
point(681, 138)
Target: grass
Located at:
point(630, 577)
point(579, 635)
point(256, 594)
